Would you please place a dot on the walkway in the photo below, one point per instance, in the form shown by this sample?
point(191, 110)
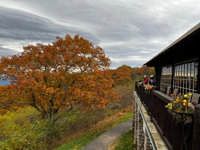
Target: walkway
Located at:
point(107, 138)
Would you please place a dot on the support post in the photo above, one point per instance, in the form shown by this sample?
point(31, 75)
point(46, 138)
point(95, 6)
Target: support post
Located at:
point(196, 128)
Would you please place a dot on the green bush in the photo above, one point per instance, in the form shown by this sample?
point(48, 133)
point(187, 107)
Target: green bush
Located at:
point(28, 135)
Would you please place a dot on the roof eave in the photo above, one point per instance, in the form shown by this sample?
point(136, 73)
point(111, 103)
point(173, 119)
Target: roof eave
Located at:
point(167, 49)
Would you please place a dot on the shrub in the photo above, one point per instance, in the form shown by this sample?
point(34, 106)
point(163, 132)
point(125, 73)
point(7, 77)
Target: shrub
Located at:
point(28, 135)
point(27, 112)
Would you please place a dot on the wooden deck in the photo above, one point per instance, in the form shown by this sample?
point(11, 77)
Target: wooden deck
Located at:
point(150, 129)
point(176, 134)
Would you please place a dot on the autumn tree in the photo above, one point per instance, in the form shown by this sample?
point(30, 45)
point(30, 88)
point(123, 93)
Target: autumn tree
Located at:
point(69, 71)
point(111, 72)
point(122, 74)
point(152, 71)
point(138, 73)
point(135, 73)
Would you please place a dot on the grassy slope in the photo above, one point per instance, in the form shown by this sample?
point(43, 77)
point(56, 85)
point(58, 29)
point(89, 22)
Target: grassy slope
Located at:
point(30, 112)
point(124, 142)
point(93, 134)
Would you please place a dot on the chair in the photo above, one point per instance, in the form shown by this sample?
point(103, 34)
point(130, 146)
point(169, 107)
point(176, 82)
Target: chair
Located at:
point(175, 92)
point(168, 90)
point(195, 97)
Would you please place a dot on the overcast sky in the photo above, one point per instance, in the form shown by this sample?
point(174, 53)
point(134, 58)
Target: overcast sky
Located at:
point(130, 31)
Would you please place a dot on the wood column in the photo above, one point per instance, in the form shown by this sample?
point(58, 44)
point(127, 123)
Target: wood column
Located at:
point(198, 78)
point(158, 71)
point(196, 128)
point(172, 86)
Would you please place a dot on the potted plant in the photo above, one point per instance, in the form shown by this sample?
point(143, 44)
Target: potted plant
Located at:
point(181, 108)
point(148, 88)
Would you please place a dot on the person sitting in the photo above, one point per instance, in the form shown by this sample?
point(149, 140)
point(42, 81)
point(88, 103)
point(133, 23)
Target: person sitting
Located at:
point(152, 81)
point(145, 79)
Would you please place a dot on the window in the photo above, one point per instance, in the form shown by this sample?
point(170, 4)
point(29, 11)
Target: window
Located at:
point(185, 76)
point(166, 78)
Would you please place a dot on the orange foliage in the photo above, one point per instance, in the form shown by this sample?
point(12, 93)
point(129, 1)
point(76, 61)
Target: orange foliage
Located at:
point(43, 76)
point(122, 75)
point(138, 73)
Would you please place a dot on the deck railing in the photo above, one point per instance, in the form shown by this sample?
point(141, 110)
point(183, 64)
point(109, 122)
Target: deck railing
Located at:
point(176, 134)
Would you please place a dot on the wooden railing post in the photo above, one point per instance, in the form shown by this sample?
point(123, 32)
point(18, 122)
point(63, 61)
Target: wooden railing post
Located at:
point(196, 129)
point(136, 87)
point(152, 101)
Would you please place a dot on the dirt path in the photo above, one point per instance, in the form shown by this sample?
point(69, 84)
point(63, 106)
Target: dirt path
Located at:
point(107, 138)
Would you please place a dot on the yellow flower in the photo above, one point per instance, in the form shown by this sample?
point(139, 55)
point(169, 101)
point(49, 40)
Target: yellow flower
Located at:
point(184, 104)
point(184, 101)
point(179, 93)
point(177, 99)
point(185, 95)
point(190, 94)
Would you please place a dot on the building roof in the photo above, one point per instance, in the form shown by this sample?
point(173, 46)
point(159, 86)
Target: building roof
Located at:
point(169, 48)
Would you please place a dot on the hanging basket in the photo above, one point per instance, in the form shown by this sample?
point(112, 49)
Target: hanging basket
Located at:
point(181, 117)
point(147, 91)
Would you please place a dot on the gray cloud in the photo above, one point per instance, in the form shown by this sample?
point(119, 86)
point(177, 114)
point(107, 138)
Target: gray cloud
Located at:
point(7, 51)
point(130, 32)
point(20, 25)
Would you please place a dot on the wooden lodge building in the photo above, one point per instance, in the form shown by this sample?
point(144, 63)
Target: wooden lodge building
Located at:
point(177, 70)
point(177, 65)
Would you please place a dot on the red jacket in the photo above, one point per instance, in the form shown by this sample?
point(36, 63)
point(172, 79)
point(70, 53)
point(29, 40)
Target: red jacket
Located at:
point(146, 80)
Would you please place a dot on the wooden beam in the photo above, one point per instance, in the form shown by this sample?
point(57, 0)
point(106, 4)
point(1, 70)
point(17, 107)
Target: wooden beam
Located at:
point(198, 77)
point(158, 76)
point(172, 86)
point(196, 128)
